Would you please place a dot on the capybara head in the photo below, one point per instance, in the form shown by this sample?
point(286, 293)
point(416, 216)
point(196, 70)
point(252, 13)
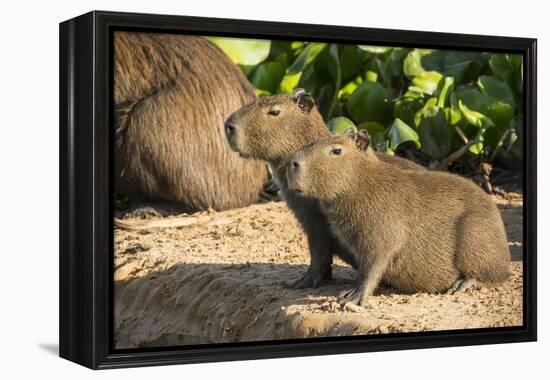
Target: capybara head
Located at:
point(327, 168)
point(272, 128)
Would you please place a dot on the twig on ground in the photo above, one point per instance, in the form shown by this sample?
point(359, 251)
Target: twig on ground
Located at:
point(453, 156)
point(137, 225)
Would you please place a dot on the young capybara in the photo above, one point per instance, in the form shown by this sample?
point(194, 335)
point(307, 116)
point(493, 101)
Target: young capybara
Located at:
point(417, 232)
point(273, 128)
point(172, 94)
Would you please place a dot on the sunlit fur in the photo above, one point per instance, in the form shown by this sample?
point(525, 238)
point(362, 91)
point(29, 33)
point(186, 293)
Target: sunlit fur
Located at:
point(172, 94)
point(275, 139)
point(417, 231)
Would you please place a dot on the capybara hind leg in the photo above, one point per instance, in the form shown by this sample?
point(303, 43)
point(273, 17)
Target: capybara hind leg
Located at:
point(482, 251)
point(152, 210)
point(463, 285)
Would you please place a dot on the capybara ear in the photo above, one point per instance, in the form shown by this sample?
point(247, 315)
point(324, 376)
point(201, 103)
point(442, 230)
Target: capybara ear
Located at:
point(362, 140)
point(350, 133)
point(303, 99)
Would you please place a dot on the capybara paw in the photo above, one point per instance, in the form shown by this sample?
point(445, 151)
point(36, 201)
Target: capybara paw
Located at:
point(347, 293)
point(305, 282)
point(145, 212)
point(463, 285)
point(311, 280)
point(353, 296)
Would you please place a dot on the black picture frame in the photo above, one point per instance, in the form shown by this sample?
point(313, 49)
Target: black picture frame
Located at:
point(86, 223)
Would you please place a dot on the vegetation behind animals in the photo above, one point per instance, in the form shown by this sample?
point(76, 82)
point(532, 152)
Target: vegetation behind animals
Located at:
point(435, 106)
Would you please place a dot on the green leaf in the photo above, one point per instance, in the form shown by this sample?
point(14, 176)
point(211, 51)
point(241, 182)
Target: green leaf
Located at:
point(477, 146)
point(340, 124)
point(371, 76)
point(324, 101)
point(435, 134)
point(334, 63)
point(260, 93)
point(307, 56)
point(289, 83)
point(243, 51)
point(458, 63)
point(472, 98)
point(500, 113)
point(397, 56)
point(373, 128)
point(412, 65)
point(350, 59)
point(476, 119)
point(347, 90)
point(452, 115)
point(375, 49)
point(279, 48)
point(496, 89)
point(248, 70)
point(307, 79)
point(406, 108)
point(412, 94)
point(268, 76)
point(400, 132)
point(369, 102)
point(427, 82)
point(502, 67)
point(336, 74)
point(449, 81)
point(383, 70)
point(430, 109)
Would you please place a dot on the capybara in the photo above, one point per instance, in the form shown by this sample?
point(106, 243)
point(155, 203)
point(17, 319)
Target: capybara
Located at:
point(417, 232)
point(273, 128)
point(172, 94)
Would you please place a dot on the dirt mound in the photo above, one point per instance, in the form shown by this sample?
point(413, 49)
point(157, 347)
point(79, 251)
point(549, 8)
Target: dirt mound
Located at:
point(220, 277)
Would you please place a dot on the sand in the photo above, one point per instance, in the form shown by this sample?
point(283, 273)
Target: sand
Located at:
point(216, 277)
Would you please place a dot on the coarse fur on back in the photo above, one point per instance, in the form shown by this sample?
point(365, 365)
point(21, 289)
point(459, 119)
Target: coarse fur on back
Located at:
point(272, 129)
point(418, 232)
point(172, 94)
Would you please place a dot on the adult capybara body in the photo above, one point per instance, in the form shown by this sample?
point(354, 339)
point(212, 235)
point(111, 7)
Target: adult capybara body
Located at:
point(272, 129)
point(172, 94)
point(418, 232)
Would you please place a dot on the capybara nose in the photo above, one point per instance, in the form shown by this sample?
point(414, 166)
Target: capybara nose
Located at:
point(229, 128)
point(295, 165)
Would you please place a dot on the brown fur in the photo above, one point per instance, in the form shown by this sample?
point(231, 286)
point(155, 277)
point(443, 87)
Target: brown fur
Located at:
point(416, 232)
point(172, 94)
point(275, 138)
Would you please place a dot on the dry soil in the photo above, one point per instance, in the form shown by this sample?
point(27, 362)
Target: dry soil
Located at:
point(220, 277)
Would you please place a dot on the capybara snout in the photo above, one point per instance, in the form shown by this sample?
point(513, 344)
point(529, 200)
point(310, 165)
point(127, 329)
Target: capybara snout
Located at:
point(293, 171)
point(229, 128)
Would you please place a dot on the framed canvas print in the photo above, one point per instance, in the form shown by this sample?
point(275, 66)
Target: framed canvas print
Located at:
point(236, 189)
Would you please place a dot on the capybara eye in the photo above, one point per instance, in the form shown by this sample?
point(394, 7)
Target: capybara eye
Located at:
point(336, 151)
point(274, 112)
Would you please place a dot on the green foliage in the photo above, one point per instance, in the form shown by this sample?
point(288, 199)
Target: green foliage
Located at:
point(418, 99)
point(340, 124)
point(243, 51)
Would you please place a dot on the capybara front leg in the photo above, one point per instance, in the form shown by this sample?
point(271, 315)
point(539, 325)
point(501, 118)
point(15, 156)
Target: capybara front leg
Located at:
point(368, 279)
point(320, 265)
